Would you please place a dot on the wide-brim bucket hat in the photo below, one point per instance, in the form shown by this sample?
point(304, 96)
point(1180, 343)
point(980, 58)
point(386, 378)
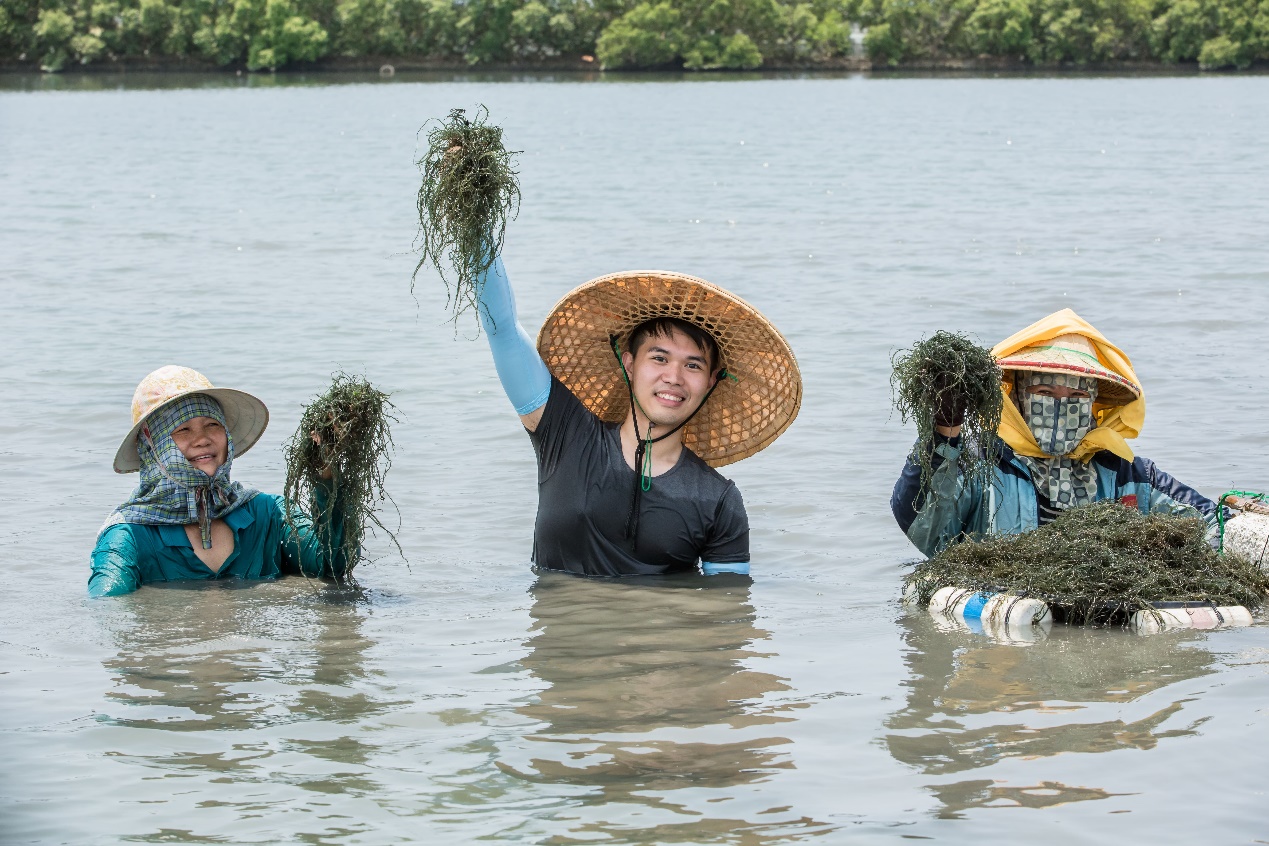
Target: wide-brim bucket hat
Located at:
point(752, 405)
point(1076, 355)
point(245, 415)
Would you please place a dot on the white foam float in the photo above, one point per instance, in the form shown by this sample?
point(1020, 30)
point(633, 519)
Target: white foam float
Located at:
point(1006, 616)
point(1189, 615)
point(1247, 533)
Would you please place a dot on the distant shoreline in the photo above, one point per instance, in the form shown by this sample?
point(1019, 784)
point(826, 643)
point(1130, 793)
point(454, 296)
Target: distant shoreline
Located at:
point(388, 66)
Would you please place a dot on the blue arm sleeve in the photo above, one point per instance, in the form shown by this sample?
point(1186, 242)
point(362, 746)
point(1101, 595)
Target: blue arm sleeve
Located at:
point(521, 370)
point(114, 564)
point(710, 569)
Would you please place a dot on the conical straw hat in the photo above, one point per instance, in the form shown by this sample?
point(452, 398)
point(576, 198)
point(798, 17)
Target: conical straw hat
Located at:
point(748, 410)
point(245, 415)
point(1076, 355)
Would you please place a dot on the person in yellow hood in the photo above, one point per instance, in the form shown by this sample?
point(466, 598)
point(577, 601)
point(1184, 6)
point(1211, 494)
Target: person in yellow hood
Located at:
point(1071, 402)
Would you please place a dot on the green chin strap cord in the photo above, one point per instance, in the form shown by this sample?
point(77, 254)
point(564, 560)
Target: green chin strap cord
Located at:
point(643, 445)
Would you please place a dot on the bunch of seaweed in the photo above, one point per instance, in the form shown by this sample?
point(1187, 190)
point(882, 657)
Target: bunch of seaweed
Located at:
point(342, 449)
point(1097, 563)
point(470, 189)
point(949, 380)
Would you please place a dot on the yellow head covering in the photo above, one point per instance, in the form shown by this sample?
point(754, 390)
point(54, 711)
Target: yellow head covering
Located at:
point(1115, 423)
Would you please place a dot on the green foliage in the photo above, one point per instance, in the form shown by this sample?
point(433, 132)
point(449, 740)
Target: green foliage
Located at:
point(1220, 52)
point(646, 36)
point(692, 34)
point(735, 51)
point(1178, 34)
point(397, 28)
point(1093, 31)
point(906, 30)
point(883, 46)
point(53, 34)
point(723, 34)
point(284, 36)
point(1000, 28)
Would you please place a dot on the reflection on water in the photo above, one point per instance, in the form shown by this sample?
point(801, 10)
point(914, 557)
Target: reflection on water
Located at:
point(963, 795)
point(974, 701)
point(634, 656)
point(248, 658)
point(649, 695)
point(232, 656)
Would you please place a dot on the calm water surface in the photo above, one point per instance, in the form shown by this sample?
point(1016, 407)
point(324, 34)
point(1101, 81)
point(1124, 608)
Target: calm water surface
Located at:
point(261, 233)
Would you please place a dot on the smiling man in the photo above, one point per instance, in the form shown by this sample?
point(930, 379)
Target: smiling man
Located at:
point(640, 384)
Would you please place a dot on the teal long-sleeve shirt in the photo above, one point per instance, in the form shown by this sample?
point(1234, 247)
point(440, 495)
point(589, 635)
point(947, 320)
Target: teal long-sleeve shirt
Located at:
point(129, 555)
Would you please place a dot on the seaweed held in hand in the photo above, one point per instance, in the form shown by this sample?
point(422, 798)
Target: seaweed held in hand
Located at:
point(1099, 562)
point(950, 378)
point(470, 189)
point(343, 443)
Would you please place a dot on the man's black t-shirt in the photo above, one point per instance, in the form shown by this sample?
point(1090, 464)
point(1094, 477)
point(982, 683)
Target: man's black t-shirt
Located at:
point(692, 513)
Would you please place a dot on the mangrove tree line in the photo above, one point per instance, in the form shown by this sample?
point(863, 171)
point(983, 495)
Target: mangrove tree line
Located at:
point(692, 34)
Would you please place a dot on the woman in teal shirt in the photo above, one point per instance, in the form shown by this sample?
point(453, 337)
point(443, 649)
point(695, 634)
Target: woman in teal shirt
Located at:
point(186, 519)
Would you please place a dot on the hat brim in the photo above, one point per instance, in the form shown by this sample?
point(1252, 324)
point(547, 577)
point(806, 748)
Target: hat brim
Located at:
point(245, 416)
point(744, 415)
point(1113, 390)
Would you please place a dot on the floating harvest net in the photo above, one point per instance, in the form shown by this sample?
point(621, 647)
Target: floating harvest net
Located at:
point(343, 442)
point(949, 378)
point(1098, 563)
point(470, 189)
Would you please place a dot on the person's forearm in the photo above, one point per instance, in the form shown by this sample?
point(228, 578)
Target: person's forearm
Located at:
point(101, 584)
point(930, 518)
point(313, 544)
point(521, 370)
point(114, 566)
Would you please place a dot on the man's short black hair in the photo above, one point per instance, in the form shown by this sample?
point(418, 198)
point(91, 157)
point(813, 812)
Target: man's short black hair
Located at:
point(664, 327)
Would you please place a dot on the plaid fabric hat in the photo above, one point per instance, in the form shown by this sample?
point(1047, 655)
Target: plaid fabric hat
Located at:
point(244, 416)
point(173, 492)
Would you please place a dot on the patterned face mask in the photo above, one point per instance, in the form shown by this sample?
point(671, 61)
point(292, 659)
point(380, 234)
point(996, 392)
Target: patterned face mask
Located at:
point(1058, 424)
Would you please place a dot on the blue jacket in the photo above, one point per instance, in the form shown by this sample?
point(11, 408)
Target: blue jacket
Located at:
point(954, 508)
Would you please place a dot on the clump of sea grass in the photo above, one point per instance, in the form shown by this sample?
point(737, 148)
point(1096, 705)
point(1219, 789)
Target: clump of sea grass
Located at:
point(470, 189)
point(1099, 562)
point(937, 373)
point(343, 446)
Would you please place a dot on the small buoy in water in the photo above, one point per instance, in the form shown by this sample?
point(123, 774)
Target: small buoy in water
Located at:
point(387, 70)
point(1189, 615)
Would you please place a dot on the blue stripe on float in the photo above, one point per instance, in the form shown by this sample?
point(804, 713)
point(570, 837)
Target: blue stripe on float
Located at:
point(974, 606)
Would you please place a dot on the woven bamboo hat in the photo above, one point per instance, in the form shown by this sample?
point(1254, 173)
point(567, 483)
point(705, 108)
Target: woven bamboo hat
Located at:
point(1074, 354)
point(245, 415)
point(748, 410)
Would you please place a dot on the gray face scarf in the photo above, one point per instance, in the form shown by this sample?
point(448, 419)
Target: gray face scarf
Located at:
point(1058, 426)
